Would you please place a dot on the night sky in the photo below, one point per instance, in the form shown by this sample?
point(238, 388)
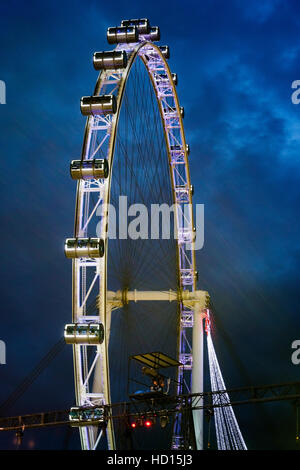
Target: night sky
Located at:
point(236, 61)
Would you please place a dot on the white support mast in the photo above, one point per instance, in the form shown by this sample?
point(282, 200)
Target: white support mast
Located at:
point(197, 371)
point(198, 300)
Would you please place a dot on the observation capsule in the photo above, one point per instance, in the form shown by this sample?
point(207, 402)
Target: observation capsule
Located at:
point(122, 34)
point(182, 188)
point(84, 248)
point(173, 110)
point(142, 25)
point(88, 169)
point(187, 277)
point(194, 234)
point(176, 148)
point(154, 34)
point(164, 78)
point(165, 50)
point(110, 60)
point(175, 78)
point(86, 416)
point(84, 333)
point(187, 149)
point(98, 105)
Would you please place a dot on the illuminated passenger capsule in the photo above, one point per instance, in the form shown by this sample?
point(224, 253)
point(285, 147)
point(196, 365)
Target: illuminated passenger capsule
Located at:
point(143, 25)
point(194, 234)
point(110, 60)
point(173, 110)
point(182, 188)
point(122, 34)
point(187, 277)
point(154, 34)
point(175, 148)
point(98, 105)
point(84, 248)
point(164, 78)
point(84, 333)
point(165, 50)
point(187, 149)
point(85, 416)
point(175, 78)
point(88, 169)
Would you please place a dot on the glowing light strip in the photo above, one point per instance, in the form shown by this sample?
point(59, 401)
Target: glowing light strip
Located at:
point(229, 436)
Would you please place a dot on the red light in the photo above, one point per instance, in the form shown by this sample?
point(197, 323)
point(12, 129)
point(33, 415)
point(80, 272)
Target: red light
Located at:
point(148, 423)
point(133, 425)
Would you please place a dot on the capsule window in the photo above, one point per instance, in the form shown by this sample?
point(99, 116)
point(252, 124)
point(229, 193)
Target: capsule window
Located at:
point(84, 333)
point(70, 329)
point(84, 248)
point(155, 33)
point(165, 50)
point(122, 35)
point(89, 169)
point(172, 110)
point(163, 77)
point(176, 148)
point(110, 60)
point(142, 25)
point(79, 416)
point(98, 105)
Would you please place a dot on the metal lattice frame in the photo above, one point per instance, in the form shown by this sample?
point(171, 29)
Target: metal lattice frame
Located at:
point(92, 382)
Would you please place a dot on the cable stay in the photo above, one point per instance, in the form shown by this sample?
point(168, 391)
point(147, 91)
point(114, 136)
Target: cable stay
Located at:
point(229, 436)
point(32, 376)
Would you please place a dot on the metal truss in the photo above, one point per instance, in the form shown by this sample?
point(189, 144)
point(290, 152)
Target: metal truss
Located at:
point(92, 381)
point(166, 406)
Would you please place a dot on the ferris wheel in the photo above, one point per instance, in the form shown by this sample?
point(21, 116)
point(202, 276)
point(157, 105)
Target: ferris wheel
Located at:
point(133, 293)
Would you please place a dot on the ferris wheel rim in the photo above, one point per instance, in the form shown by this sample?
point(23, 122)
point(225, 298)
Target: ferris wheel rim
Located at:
point(110, 157)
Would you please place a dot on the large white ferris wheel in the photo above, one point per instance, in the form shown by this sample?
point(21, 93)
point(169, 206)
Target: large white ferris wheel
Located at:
point(132, 296)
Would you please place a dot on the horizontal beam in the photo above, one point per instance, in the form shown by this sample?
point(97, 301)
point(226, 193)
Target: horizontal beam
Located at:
point(250, 401)
point(187, 297)
point(36, 420)
point(238, 396)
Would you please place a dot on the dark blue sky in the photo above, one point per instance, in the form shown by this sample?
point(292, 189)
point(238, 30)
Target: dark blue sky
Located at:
point(236, 61)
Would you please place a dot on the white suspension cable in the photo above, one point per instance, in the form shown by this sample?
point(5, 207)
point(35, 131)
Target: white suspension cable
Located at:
point(229, 436)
